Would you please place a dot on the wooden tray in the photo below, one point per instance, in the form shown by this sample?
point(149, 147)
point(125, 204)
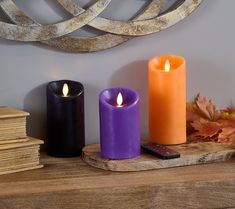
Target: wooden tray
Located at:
point(191, 154)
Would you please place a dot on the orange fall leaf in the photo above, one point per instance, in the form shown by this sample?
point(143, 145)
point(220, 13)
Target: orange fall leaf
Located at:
point(206, 123)
point(207, 108)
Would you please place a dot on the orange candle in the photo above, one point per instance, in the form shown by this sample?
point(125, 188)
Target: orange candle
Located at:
point(167, 100)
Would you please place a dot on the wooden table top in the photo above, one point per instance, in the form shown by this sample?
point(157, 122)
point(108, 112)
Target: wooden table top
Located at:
point(70, 183)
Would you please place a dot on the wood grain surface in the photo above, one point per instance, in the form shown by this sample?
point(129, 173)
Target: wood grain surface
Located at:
point(191, 154)
point(69, 183)
point(8, 112)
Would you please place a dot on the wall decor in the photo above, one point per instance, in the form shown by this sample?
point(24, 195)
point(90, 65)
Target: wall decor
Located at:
point(153, 19)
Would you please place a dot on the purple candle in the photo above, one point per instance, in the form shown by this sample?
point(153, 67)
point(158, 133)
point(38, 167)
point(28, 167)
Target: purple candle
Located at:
point(119, 123)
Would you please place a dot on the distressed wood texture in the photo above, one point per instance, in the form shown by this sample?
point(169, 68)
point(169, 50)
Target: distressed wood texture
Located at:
point(70, 183)
point(147, 22)
point(40, 33)
point(20, 156)
point(191, 154)
point(78, 44)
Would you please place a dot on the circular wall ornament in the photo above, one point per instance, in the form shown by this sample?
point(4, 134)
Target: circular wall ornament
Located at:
point(153, 19)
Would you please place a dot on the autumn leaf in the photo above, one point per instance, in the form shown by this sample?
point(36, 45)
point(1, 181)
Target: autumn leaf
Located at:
point(229, 122)
point(205, 128)
point(192, 115)
point(207, 108)
point(206, 123)
point(229, 110)
point(228, 113)
point(225, 134)
point(192, 112)
point(232, 140)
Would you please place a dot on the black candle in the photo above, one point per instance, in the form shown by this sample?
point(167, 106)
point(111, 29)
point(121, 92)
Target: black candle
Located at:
point(65, 118)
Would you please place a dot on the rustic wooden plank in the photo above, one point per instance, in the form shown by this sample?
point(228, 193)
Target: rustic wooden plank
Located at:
point(205, 195)
point(26, 167)
point(39, 32)
point(69, 183)
point(191, 154)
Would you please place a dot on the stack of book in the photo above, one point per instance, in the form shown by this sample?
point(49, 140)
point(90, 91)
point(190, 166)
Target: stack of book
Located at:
point(18, 152)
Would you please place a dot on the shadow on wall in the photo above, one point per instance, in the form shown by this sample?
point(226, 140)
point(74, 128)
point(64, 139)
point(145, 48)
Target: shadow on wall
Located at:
point(91, 113)
point(135, 76)
point(12, 43)
point(35, 104)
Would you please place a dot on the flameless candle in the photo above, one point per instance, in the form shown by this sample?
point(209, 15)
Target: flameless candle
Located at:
point(119, 123)
point(65, 118)
point(167, 100)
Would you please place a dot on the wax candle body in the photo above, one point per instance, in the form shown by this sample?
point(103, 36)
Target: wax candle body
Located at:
point(167, 100)
point(119, 126)
point(65, 119)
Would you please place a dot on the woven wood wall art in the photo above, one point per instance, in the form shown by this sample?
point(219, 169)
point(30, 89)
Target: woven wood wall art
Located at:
point(153, 19)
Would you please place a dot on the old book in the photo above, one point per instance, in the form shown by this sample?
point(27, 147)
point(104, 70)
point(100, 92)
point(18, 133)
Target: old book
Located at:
point(20, 156)
point(12, 125)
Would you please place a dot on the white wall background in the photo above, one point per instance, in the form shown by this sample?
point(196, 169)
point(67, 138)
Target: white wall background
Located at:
point(206, 39)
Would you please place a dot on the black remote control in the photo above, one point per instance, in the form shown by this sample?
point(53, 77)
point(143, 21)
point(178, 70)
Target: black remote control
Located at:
point(160, 151)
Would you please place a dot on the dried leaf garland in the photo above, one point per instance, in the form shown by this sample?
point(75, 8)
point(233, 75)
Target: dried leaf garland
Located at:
point(206, 123)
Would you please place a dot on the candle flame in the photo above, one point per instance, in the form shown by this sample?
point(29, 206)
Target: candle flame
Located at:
point(167, 66)
point(119, 100)
point(65, 90)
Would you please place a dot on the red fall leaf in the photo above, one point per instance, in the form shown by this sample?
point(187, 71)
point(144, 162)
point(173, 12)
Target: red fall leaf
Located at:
point(205, 128)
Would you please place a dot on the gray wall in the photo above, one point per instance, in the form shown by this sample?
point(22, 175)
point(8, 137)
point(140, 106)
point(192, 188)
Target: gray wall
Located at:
point(206, 39)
